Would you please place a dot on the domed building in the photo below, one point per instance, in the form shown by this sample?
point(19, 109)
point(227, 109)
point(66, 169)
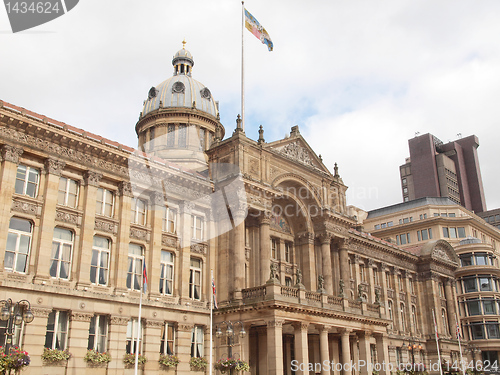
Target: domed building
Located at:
point(298, 283)
point(180, 118)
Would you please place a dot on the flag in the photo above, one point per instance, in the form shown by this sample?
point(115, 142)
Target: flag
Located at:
point(459, 333)
point(214, 293)
point(256, 29)
point(144, 276)
point(435, 325)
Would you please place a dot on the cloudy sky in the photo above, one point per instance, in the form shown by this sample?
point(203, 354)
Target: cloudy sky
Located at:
point(359, 77)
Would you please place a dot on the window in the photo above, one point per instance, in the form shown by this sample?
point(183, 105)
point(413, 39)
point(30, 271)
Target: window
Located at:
point(99, 264)
point(62, 247)
point(151, 138)
point(27, 179)
point(105, 202)
point(377, 226)
point(412, 285)
point(477, 331)
point(376, 278)
point(171, 135)
point(466, 260)
point(444, 318)
point(489, 306)
point(414, 318)
point(452, 214)
point(197, 342)
point(485, 284)
point(68, 192)
point(202, 138)
point(362, 273)
point(388, 280)
point(288, 281)
point(288, 252)
point(403, 239)
point(16, 338)
point(400, 283)
point(97, 333)
point(134, 270)
point(18, 245)
point(481, 259)
point(57, 330)
point(389, 308)
point(195, 279)
point(461, 232)
point(473, 307)
point(390, 223)
point(169, 219)
point(470, 284)
point(454, 232)
point(138, 210)
point(441, 289)
point(167, 272)
point(182, 136)
point(492, 330)
point(424, 234)
point(196, 227)
point(134, 341)
point(167, 339)
point(403, 316)
point(274, 248)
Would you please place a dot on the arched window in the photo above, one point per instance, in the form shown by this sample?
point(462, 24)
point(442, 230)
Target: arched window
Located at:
point(99, 264)
point(389, 310)
point(403, 317)
point(444, 318)
point(62, 249)
point(18, 245)
point(414, 318)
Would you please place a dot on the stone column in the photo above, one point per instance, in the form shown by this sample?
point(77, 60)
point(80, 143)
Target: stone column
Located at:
point(117, 334)
point(151, 344)
point(364, 352)
point(397, 301)
point(346, 351)
point(327, 263)
point(119, 260)
point(184, 347)
point(89, 196)
point(265, 246)
point(239, 253)
point(308, 261)
point(382, 353)
point(344, 266)
point(450, 306)
point(371, 281)
point(42, 254)
point(262, 349)
point(335, 355)
point(301, 345)
point(275, 347)
point(34, 336)
point(152, 260)
point(185, 254)
point(78, 339)
point(324, 348)
point(9, 158)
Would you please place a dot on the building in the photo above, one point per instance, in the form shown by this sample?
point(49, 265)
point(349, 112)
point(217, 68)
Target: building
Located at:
point(492, 217)
point(83, 215)
point(416, 224)
point(447, 170)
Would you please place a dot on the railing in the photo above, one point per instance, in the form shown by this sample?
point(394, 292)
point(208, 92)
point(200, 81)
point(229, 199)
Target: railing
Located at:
point(313, 296)
point(289, 291)
point(333, 300)
point(354, 304)
point(250, 293)
point(372, 307)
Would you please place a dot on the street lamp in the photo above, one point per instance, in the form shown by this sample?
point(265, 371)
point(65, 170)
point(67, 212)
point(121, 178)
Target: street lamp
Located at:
point(473, 349)
point(14, 314)
point(230, 332)
point(412, 346)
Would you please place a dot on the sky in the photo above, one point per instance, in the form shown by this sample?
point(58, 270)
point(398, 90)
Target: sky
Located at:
point(359, 77)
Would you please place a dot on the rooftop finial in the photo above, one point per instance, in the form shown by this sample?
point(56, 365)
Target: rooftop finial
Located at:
point(184, 44)
point(261, 135)
point(336, 170)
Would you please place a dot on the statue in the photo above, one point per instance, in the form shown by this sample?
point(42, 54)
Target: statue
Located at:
point(341, 288)
point(360, 291)
point(298, 276)
point(377, 296)
point(274, 272)
point(321, 284)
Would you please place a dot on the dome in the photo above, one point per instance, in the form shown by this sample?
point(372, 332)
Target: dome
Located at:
point(181, 90)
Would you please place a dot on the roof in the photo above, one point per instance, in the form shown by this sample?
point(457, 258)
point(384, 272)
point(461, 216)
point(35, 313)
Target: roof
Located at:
point(438, 201)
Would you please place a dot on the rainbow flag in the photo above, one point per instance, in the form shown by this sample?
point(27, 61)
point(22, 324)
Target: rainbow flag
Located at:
point(256, 29)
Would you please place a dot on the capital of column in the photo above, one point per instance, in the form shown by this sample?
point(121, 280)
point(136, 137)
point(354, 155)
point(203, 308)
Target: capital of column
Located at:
point(157, 198)
point(325, 238)
point(125, 189)
point(346, 244)
point(92, 178)
point(78, 316)
point(54, 166)
point(40, 312)
point(265, 217)
point(322, 327)
point(11, 153)
point(119, 320)
point(305, 238)
point(277, 323)
point(186, 207)
point(183, 327)
point(345, 331)
point(302, 326)
point(154, 323)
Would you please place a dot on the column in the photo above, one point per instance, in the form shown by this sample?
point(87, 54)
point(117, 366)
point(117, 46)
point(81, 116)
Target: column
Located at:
point(155, 245)
point(396, 302)
point(327, 263)
point(301, 346)
point(184, 347)
point(185, 254)
point(382, 353)
point(117, 334)
point(275, 347)
point(344, 266)
point(335, 354)
point(9, 157)
point(89, 196)
point(346, 351)
point(364, 352)
point(324, 348)
point(34, 336)
point(151, 344)
point(450, 307)
point(371, 281)
point(262, 349)
point(265, 246)
point(78, 339)
point(42, 253)
point(308, 261)
point(239, 253)
point(119, 260)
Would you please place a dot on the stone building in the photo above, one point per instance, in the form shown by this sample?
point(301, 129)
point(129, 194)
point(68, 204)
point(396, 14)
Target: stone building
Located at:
point(416, 224)
point(81, 213)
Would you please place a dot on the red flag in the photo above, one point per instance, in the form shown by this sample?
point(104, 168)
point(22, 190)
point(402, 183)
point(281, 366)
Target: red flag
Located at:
point(214, 293)
point(144, 276)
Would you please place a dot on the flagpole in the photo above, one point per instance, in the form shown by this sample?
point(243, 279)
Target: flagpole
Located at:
point(136, 366)
point(460, 345)
point(242, 66)
point(437, 342)
point(211, 321)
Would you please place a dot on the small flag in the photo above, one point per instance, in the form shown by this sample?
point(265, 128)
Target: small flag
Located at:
point(144, 276)
point(214, 293)
point(459, 333)
point(256, 29)
point(435, 325)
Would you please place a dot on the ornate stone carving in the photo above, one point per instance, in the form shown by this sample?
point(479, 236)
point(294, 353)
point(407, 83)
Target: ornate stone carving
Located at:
point(296, 152)
point(157, 198)
point(25, 208)
point(441, 253)
point(40, 312)
point(81, 316)
point(185, 327)
point(67, 217)
point(125, 189)
point(92, 178)
point(154, 323)
point(139, 234)
point(199, 248)
point(167, 240)
point(119, 320)
point(275, 323)
point(178, 88)
point(54, 166)
point(10, 153)
point(106, 226)
point(254, 167)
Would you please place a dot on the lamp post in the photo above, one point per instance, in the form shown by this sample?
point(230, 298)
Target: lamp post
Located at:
point(473, 349)
point(230, 333)
point(14, 314)
point(412, 346)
